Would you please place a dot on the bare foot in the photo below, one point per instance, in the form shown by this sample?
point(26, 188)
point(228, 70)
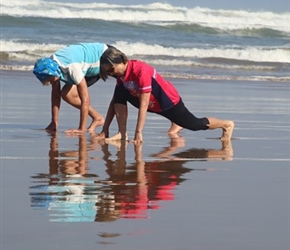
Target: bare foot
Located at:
point(228, 131)
point(96, 123)
point(174, 136)
point(117, 137)
point(174, 129)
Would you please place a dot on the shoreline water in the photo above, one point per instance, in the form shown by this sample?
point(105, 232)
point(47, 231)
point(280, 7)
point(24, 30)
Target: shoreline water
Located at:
point(192, 43)
point(17, 69)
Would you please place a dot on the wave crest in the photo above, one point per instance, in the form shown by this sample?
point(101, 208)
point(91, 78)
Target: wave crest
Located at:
point(29, 51)
point(155, 13)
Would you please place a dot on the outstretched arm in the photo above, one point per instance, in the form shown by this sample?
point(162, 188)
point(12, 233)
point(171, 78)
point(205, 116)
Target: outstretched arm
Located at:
point(83, 93)
point(55, 105)
point(85, 104)
point(144, 101)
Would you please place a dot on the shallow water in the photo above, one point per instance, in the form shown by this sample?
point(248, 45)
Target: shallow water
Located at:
point(60, 192)
point(183, 42)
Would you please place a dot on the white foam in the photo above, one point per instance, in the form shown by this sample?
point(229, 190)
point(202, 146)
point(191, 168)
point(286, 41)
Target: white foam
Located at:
point(30, 52)
point(258, 54)
point(158, 13)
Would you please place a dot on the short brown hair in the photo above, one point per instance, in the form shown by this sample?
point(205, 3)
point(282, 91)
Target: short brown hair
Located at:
point(111, 56)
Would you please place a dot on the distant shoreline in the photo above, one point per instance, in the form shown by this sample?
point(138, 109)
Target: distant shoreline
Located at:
point(12, 70)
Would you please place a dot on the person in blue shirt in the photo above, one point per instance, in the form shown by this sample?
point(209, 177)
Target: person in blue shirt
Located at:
point(78, 67)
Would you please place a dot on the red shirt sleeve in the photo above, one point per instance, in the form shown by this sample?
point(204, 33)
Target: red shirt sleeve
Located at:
point(145, 79)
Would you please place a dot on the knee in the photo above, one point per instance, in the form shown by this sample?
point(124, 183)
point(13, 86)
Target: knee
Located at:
point(65, 96)
point(69, 92)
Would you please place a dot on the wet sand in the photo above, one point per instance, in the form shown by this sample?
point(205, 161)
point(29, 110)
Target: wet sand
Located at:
point(192, 192)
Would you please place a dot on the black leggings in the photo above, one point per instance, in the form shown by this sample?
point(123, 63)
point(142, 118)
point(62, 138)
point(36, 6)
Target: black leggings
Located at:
point(178, 114)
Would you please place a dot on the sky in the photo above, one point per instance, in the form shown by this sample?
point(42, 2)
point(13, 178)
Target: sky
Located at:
point(255, 5)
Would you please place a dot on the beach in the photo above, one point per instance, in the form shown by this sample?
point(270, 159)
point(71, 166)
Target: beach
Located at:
point(192, 192)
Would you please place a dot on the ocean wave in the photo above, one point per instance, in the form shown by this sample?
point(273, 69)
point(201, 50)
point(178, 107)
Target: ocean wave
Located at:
point(220, 63)
point(164, 26)
point(21, 51)
point(244, 30)
point(154, 14)
point(256, 54)
point(213, 63)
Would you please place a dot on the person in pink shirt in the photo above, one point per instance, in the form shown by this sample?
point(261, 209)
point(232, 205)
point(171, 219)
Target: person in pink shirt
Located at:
point(139, 84)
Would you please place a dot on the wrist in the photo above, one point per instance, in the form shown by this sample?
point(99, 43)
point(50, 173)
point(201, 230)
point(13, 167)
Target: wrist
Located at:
point(54, 122)
point(82, 129)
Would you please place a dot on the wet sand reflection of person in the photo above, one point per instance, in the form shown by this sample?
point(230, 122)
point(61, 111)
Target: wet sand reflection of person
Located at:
point(67, 193)
point(70, 162)
point(224, 153)
point(139, 187)
point(129, 190)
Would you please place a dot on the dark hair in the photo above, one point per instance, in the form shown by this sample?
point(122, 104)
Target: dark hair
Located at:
point(111, 56)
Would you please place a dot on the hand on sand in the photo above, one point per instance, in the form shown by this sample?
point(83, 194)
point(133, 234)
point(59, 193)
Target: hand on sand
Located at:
point(51, 127)
point(138, 138)
point(136, 142)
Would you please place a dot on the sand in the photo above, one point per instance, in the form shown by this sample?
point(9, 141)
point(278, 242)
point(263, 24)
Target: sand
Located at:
point(193, 192)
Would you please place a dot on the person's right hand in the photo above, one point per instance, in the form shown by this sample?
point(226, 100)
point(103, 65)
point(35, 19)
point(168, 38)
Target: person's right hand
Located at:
point(51, 127)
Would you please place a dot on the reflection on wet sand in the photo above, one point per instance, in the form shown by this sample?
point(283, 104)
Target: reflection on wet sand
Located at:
point(68, 190)
point(72, 194)
point(225, 153)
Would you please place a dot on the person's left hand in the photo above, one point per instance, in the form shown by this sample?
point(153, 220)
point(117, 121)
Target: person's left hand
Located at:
point(52, 126)
point(138, 138)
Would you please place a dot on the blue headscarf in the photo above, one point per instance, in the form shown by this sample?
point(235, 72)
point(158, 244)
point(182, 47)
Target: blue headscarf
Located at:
point(46, 67)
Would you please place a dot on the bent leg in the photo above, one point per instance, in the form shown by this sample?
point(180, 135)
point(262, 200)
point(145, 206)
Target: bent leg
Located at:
point(70, 94)
point(182, 117)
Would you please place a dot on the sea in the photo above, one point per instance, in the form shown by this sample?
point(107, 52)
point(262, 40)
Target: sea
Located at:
point(190, 43)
